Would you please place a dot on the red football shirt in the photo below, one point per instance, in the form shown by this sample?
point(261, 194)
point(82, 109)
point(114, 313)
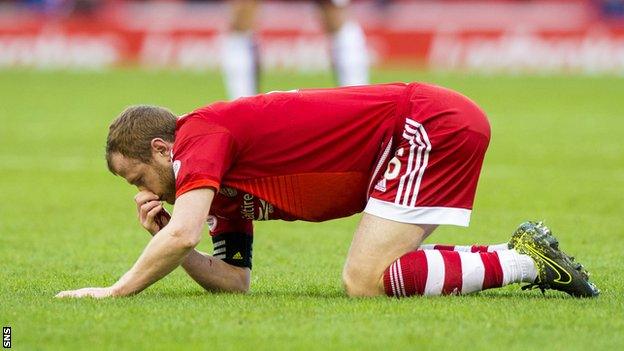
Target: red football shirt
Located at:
point(299, 155)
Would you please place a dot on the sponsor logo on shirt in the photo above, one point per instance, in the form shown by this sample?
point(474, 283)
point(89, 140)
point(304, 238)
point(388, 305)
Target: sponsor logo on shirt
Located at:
point(228, 192)
point(250, 205)
point(247, 209)
point(176, 168)
point(264, 210)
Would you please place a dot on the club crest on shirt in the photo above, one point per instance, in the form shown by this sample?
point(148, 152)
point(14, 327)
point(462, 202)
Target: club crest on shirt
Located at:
point(212, 222)
point(176, 168)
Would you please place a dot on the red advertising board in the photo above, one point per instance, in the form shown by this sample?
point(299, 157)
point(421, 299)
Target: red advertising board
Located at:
point(535, 36)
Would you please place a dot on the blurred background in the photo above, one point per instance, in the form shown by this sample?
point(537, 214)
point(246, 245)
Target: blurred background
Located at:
point(522, 36)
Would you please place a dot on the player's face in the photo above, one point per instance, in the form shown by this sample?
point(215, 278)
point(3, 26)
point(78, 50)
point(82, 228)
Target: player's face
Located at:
point(156, 176)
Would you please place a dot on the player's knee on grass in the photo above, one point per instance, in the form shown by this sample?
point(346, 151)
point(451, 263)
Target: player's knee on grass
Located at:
point(360, 283)
point(377, 243)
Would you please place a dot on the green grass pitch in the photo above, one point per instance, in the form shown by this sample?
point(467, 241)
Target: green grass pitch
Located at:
point(557, 153)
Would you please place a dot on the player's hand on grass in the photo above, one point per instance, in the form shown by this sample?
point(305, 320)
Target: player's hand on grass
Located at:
point(97, 293)
point(152, 214)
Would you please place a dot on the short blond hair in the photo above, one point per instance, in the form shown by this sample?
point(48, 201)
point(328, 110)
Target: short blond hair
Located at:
point(132, 132)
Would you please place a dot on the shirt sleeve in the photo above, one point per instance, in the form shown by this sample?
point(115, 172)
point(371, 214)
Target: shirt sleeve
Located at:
point(202, 160)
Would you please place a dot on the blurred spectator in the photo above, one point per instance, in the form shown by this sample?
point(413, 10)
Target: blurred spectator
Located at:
point(240, 58)
point(59, 7)
point(612, 8)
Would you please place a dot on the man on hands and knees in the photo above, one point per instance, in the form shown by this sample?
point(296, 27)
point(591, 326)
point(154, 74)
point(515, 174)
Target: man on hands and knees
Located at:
point(407, 155)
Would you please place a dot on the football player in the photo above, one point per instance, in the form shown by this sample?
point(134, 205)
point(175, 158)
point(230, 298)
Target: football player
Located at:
point(407, 155)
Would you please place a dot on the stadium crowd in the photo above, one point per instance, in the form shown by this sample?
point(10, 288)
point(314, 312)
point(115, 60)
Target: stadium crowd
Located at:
point(608, 9)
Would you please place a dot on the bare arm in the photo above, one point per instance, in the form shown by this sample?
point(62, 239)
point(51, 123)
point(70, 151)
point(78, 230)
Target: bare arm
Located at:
point(167, 249)
point(170, 246)
point(210, 273)
point(215, 275)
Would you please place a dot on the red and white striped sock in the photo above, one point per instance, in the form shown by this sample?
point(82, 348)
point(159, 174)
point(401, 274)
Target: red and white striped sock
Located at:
point(466, 248)
point(442, 272)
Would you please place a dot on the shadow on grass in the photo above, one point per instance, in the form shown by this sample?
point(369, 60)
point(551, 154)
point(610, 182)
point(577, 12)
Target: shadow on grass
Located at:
point(534, 295)
point(302, 294)
point(252, 294)
point(339, 295)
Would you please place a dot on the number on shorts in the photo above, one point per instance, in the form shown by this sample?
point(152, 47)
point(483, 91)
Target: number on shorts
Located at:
point(394, 166)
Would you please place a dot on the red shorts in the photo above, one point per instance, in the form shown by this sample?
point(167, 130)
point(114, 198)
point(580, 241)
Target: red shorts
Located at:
point(437, 153)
